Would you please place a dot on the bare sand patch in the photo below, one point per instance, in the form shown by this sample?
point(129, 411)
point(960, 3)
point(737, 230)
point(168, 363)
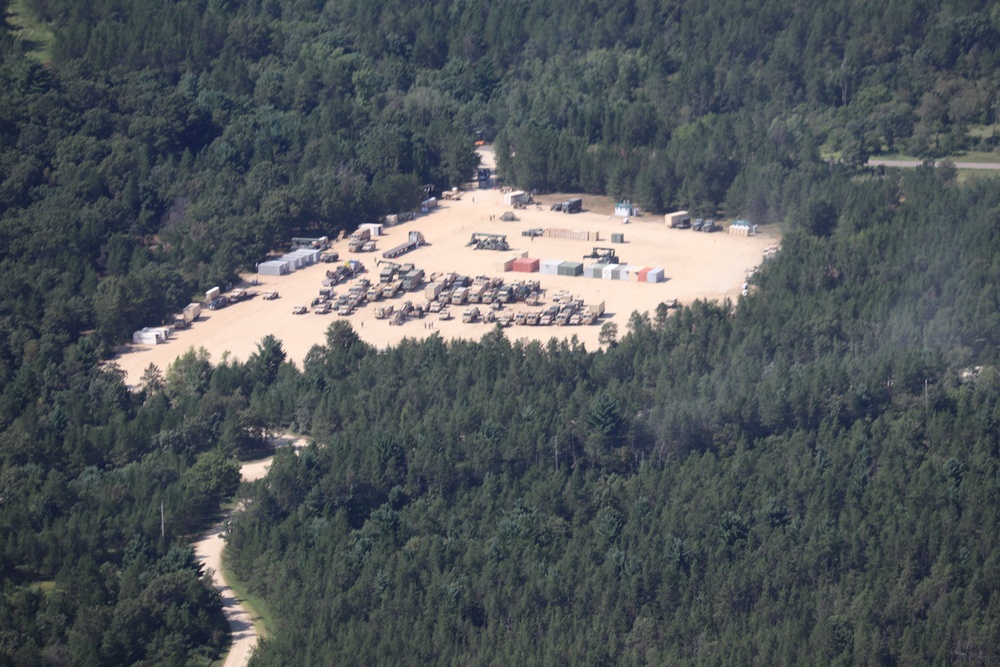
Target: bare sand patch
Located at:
point(697, 266)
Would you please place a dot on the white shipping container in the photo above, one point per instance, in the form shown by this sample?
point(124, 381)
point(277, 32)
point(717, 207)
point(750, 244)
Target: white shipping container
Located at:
point(151, 335)
point(143, 337)
point(515, 196)
point(550, 267)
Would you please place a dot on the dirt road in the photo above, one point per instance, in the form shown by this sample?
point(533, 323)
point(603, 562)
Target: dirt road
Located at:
point(208, 550)
point(916, 163)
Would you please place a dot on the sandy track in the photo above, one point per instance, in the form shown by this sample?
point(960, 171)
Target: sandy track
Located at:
point(698, 266)
point(208, 549)
point(989, 166)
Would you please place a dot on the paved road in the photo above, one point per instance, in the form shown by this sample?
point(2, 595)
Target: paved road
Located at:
point(994, 166)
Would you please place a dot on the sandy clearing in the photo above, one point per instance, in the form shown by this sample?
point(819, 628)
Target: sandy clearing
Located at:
point(698, 266)
point(208, 549)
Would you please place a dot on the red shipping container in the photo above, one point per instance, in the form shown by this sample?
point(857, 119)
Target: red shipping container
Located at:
point(642, 274)
point(526, 265)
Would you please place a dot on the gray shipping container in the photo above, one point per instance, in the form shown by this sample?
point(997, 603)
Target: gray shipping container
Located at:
point(308, 255)
point(594, 271)
point(275, 267)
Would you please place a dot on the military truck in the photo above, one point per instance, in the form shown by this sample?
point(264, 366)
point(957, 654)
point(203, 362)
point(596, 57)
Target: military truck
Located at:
point(388, 272)
point(358, 239)
point(186, 317)
point(678, 220)
point(476, 292)
point(413, 280)
point(392, 289)
point(592, 313)
point(574, 205)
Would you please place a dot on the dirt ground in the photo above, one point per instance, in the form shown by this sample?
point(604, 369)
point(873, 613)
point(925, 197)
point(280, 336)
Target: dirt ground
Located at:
point(697, 266)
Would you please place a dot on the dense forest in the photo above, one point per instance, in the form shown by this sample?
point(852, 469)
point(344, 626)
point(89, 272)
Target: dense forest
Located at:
point(805, 476)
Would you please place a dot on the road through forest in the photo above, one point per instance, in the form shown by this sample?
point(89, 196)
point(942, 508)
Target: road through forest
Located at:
point(916, 163)
point(208, 549)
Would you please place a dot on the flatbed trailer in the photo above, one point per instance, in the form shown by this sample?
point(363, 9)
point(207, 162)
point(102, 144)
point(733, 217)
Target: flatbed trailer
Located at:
point(414, 241)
